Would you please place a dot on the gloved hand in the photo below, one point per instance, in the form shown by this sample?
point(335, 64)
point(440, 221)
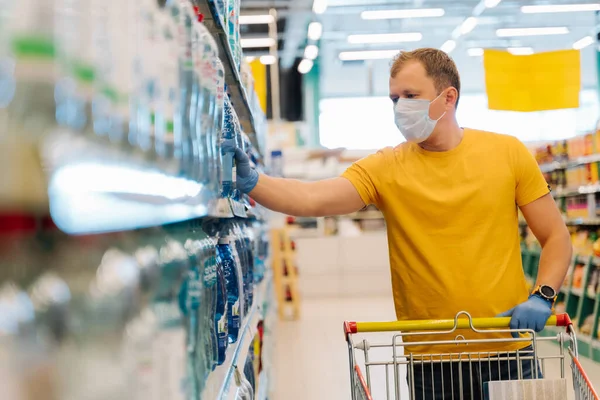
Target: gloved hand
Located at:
point(531, 314)
point(247, 177)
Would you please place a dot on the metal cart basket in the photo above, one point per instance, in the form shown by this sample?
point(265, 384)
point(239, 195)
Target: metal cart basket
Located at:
point(464, 374)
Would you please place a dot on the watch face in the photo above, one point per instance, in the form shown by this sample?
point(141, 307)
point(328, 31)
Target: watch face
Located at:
point(547, 291)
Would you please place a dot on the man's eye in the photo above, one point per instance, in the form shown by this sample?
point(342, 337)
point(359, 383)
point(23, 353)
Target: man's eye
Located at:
point(395, 100)
point(410, 96)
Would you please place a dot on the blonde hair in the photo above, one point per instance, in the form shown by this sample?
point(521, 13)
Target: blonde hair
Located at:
point(438, 65)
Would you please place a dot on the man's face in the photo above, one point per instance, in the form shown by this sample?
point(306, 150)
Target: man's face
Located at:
point(412, 82)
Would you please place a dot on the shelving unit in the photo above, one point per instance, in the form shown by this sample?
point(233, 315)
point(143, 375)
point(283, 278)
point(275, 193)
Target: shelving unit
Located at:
point(557, 165)
point(221, 383)
point(286, 284)
point(579, 303)
point(239, 96)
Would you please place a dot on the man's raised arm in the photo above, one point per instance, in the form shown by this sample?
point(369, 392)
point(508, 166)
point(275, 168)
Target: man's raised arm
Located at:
point(334, 196)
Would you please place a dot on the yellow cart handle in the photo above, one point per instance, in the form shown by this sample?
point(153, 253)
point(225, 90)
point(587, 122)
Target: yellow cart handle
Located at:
point(443, 324)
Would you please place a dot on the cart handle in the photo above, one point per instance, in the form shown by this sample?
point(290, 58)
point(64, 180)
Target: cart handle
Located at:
point(351, 327)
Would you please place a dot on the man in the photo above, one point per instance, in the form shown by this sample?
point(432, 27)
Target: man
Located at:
point(449, 196)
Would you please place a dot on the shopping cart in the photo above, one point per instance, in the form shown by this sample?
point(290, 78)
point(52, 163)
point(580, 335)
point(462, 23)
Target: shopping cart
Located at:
point(459, 375)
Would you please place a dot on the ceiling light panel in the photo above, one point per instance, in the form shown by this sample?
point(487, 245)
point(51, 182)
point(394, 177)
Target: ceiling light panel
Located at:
point(311, 52)
point(557, 8)
point(315, 30)
point(385, 38)
point(448, 46)
point(583, 42)
point(399, 14)
point(520, 51)
point(305, 66)
point(475, 52)
point(256, 19)
point(368, 55)
point(511, 32)
point(257, 42)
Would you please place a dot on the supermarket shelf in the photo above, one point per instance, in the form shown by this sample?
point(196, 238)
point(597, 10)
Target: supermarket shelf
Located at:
point(553, 166)
point(573, 222)
point(239, 96)
point(569, 192)
point(582, 221)
point(221, 382)
point(96, 188)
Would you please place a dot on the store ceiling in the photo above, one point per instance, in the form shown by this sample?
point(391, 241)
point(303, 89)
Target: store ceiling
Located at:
point(357, 78)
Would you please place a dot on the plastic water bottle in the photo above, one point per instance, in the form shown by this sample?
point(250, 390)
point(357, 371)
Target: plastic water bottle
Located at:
point(213, 136)
point(228, 167)
point(240, 258)
point(249, 240)
point(211, 300)
point(232, 277)
point(221, 313)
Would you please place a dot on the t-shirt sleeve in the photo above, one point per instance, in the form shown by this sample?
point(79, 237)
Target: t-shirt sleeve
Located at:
point(365, 175)
point(530, 183)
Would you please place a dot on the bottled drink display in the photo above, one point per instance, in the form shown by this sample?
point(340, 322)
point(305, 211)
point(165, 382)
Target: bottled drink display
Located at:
point(234, 282)
point(119, 107)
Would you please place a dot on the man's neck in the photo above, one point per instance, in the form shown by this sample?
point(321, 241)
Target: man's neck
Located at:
point(446, 137)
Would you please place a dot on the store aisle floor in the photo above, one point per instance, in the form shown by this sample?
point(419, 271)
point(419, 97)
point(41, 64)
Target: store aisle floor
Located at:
point(311, 358)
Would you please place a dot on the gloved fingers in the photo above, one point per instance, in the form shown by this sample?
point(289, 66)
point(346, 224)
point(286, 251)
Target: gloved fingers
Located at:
point(241, 157)
point(515, 323)
point(539, 325)
point(508, 313)
point(228, 146)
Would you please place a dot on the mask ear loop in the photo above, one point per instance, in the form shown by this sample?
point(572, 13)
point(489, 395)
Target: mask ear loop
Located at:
point(441, 116)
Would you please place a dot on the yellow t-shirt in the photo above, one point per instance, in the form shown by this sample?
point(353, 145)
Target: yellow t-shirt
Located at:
point(452, 227)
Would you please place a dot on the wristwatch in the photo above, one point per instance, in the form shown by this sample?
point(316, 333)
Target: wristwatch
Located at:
point(545, 292)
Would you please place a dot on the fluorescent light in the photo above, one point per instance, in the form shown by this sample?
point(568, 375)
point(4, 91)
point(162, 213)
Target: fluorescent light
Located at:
point(397, 14)
point(475, 52)
point(315, 30)
point(559, 30)
point(319, 6)
point(491, 3)
point(556, 8)
point(268, 60)
point(305, 66)
point(468, 25)
point(385, 38)
point(368, 55)
point(256, 19)
point(448, 46)
point(583, 42)
point(520, 51)
point(249, 59)
point(311, 52)
point(257, 42)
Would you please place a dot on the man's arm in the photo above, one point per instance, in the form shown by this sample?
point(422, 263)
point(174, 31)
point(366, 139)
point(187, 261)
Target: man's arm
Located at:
point(334, 196)
point(545, 222)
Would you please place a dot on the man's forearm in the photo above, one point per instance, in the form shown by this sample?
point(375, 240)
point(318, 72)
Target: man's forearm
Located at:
point(287, 196)
point(554, 261)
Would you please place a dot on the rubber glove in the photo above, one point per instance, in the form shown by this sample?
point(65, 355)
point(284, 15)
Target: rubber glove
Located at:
point(247, 177)
point(532, 314)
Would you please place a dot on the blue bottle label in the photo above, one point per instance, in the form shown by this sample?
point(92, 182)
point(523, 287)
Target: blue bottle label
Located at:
point(235, 315)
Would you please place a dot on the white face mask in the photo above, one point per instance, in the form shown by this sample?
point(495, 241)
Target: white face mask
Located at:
point(412, 118)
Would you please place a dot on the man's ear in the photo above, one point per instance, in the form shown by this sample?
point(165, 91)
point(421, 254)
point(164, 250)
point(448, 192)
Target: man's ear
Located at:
point(451, 97)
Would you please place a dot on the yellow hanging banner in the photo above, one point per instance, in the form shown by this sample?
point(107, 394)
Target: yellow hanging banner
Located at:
point(537, 82)
point(259, 72)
